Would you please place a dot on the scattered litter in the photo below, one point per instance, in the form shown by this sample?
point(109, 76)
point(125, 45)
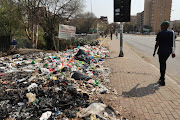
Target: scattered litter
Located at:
point(54, 85)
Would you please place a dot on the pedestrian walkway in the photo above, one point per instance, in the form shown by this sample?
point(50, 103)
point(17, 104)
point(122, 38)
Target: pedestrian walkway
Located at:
point(135, 80)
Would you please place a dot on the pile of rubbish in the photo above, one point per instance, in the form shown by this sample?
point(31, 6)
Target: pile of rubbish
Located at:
point(55, 86)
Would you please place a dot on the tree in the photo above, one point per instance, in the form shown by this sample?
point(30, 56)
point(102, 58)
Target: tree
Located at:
point(49, 14)
point(147, 27)
point(9, 25)
point(83, 22)
point(113, 27)
point(128, 27)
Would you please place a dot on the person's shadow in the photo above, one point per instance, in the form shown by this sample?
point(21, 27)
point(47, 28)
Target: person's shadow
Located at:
point(143, 91)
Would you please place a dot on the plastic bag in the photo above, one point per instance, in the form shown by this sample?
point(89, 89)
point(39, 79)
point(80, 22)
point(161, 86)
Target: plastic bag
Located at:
point(46, 115)
point(100, 109)
point(79, 76)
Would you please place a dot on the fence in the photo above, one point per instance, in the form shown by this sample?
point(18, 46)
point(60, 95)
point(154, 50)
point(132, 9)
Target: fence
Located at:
point(5, 43)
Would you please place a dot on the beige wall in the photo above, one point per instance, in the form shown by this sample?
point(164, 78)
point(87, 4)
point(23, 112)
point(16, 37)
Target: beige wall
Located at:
point(147, 12)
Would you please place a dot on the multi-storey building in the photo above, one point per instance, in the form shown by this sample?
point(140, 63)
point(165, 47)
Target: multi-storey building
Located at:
point(133, 20)
point(155, 12)
point(176, 26)
point(140, 19)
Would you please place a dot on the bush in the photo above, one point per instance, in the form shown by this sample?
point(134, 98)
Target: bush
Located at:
point(80, 41)
point(23, 42)
point(94, 42)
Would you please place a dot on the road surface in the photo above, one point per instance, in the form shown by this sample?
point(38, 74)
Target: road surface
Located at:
point(144, 45)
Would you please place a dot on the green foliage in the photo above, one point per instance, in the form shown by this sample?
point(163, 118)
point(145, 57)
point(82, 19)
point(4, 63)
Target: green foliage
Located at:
point(76, 42)
point(83, 22)
point(128, 27)
point(147, 27)
point(113, 27)
point(80, 42)
point(94, 42)
point(41, 42)
point(9, 24)
point(23, 42)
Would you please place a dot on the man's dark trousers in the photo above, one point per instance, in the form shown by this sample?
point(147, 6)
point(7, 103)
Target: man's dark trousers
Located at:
point(162, 61)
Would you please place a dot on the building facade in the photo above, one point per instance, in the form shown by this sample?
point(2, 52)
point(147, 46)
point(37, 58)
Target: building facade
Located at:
point(140, 19)
point(155, 12)
point(176, 26)
point(147, 12)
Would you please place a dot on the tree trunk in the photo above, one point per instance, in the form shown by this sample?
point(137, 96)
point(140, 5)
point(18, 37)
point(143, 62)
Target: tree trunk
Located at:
point(37, 30)
point(54, 43)
point(33, 35)
point(28, 34)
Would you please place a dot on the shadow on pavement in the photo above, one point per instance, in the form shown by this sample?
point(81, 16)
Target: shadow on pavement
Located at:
point(143, 91)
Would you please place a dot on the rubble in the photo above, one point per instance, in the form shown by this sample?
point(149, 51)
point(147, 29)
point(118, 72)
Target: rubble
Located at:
point(49, 86)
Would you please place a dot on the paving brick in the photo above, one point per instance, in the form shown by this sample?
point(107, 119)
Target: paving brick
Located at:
point(177, 111)
point(148, 106)
point(152, 114)
point(135, 115)
point(140, 112)
point(172, 105)
point(166, 110)
point(171, 117)
point(176, 103)
point(165, 119)
point(156, 111)
point(158, 117)
point(163, 114)
point(162, 105)
point(168, 106)
point(152, 104)
point(159, 107)
point(147, 116)
point(144, 109)
point(176, 116)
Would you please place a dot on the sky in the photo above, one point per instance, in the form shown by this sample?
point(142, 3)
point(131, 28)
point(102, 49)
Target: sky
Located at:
point(105, 8)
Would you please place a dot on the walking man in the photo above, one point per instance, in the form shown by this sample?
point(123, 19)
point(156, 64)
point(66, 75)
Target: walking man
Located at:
point(111, 35)
point(165, 42)
point(116, 35)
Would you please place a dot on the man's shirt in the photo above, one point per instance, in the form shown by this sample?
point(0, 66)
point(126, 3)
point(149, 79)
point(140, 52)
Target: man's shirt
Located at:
point(14, 42)
point(165, 40)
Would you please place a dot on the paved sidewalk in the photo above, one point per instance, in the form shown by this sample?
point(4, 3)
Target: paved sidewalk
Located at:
point(140, 97)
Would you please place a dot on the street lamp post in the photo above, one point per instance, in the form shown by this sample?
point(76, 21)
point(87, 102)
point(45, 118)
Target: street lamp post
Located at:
point(121, 54)
point(91, 7)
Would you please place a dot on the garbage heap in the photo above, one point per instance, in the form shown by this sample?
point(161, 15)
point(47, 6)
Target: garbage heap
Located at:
point(50, 86)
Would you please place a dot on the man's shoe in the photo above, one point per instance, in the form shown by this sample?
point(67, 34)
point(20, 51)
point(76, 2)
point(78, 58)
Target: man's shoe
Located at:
point(161, 79)
point(162, 83)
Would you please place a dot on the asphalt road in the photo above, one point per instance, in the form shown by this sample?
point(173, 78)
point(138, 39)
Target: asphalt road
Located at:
point(144, 45)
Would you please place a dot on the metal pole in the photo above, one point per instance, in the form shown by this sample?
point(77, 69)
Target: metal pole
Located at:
point(91, 7)
point(121, 54)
